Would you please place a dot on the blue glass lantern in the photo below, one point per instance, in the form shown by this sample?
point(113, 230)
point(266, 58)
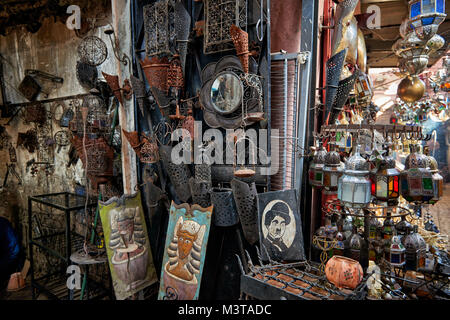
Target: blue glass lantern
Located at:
point(425, 16)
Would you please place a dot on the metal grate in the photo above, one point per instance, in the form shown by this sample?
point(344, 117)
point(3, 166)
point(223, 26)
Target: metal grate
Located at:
point(284, 100)
point(294, 281)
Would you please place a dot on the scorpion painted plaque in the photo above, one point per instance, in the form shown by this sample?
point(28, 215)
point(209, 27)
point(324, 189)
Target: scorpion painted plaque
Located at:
point(280, 226)
point(185, 251)
point(127, 245)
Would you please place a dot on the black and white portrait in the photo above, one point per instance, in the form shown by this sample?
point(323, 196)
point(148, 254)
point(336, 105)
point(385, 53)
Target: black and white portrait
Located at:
point(280, 226)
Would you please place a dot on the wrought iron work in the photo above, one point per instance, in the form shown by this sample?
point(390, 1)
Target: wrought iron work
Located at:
point(62, 139)
point(159, 27)
point(146, 149)
point(219, 16)
point(175, 74)
point(240, 40)
point(139, 92)
point(182, 27)
point(12, 154)
point(343, 91)
point(201, 192)
point(66, 117)
point(245, 199)
point(295, 281)
point(156, 70)
point(30, 88)
point(179, 174)
point(113, 83)
point(87, 74)
point(334, 68)
point(250, 100)
point(36, 113)
point(97, 157)
point(92, 50)
point(225, 213)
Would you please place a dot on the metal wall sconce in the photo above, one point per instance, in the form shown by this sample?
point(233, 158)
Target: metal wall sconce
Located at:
point(116, 48)
point(113, 83)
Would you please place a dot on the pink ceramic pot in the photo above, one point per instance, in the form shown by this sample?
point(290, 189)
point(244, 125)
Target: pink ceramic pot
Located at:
point(344, 272)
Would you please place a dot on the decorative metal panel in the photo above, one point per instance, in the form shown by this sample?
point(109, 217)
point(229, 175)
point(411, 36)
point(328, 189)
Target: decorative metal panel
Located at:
point(220, 15)
point(159, 27)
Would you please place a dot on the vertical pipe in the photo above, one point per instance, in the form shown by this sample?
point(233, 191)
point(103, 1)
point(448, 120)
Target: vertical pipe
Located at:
point(285, 115)
point(30, 246)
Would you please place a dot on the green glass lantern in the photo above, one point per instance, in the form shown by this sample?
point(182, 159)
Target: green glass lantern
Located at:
point(416, 180)
point(438, 180)
point(316, 168)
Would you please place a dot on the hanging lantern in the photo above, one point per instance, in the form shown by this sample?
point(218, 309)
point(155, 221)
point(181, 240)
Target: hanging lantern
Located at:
point(388, 227)
point(332, 170)
point(397, 252)
point(386, 182)
point(438, 180)
point(416, 179)
point(425, 16)
point(316, 168)
point(411, 89)
point(354, 186)
point(415, 253)
point(329, 202)
point(363, 87)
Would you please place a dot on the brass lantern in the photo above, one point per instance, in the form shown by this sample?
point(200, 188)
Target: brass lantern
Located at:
point(416, 180)
point(316, 168)
point(354, 186)
point(411, 89)
point(425, 16)
point(386, 182)
point(332, 170)
point(438, 180)
point(363, 88)
point(416, 249)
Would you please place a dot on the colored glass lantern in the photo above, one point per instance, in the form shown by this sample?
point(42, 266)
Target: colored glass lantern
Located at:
point(416, 179)
point(415, 253)
point(385, 185)
point(425, 16)
point(363, 88)
point(438, 180)
point(328, 197)
point(403, 227)
point(332, 170)
point(397, 252)
point(354, 188)
point(316, 168)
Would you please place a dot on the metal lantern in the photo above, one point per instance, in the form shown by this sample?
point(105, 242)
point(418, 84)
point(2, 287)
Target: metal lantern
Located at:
point(332, 170)
point(397, 252)
point(403, 227)
point(363, 88)
point(316, 168)
point(356, 244)
point(416, 180)
point(425, 16)
point(354, 186)
point(415, 250)
point(438, 180)
point(386, 182)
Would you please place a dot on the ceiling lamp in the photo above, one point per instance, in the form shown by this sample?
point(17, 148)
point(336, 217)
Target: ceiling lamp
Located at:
point(425, 16)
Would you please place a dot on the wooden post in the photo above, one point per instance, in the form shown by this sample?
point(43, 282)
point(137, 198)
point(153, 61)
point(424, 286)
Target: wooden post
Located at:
point(121, 18)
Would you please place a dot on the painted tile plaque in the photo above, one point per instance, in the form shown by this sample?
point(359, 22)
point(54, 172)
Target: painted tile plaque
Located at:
point(185, 251)
point(127, 245)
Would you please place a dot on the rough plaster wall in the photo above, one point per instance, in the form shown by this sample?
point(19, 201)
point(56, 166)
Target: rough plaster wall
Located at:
point(52, 49)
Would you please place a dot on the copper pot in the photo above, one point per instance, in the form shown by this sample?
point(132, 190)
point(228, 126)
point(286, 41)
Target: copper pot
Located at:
point(344, 272)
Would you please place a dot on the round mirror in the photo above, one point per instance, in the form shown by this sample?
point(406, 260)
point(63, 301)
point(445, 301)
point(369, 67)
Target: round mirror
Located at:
point(226, 93)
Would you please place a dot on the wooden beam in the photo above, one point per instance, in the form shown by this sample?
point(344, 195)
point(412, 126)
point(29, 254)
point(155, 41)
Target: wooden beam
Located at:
point(121, 17)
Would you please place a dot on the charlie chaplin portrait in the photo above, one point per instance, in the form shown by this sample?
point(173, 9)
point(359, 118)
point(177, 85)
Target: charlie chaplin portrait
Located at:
point(278, 228)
